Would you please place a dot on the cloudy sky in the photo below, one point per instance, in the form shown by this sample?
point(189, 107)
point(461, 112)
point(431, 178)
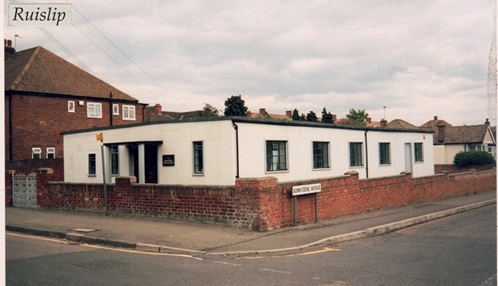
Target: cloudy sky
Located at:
point(417, 58)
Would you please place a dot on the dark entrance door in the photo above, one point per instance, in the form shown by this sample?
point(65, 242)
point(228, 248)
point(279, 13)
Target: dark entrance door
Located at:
point(151, 163)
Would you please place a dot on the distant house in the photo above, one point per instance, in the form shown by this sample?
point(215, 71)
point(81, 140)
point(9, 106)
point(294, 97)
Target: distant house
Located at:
point(46, 95)
point(400, 123)
point(155, 113)
point(216, 151)
point(263, 114)
point(449, 140)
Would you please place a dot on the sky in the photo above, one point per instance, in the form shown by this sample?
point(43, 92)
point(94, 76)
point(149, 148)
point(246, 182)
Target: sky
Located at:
point(403, 59)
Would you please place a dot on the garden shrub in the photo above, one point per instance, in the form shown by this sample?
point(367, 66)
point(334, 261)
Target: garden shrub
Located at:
point(463, 159)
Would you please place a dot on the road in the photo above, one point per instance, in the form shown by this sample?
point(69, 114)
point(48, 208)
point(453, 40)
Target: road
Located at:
point(458, 250)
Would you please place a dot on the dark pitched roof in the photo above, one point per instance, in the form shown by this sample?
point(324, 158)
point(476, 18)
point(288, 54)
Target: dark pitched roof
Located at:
point(464, 134)
point(41, 71)
point(434, 123)
point(400, 123)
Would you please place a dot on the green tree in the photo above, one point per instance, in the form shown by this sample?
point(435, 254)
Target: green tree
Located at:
point(296, 116)
point(209, 111)
point(358, 117)
point(311, 116)
point(235, 106)
point(327, 116)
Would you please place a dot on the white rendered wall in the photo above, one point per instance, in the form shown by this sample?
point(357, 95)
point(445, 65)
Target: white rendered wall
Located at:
point(219, 149)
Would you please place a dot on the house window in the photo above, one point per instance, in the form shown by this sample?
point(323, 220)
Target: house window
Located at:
point(128, 112)
point(385, 153)
point(419, 153)
point(114, 160)
point(198, 158)
point(92, 165)
point(70, 106)
point(320, 155)
point(50, 153)
point(276, 155)
point(36, 153)
point(94, 110)
point(355, 154)
point(115, 109)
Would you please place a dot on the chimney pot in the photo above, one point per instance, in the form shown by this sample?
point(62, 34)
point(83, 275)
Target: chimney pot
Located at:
point(487, 121)
point(9, 50)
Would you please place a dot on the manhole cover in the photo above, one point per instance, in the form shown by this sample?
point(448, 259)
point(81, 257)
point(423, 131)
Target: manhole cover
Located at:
point(100, 264)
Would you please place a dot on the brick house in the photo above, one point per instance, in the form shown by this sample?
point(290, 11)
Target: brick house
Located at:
point(46, 95)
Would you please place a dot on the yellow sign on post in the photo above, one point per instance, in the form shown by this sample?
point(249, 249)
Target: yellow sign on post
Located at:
point(100, 137)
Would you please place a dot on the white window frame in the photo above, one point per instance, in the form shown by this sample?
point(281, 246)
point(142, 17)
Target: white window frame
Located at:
point(92, 165)
point(94, 110)
point(50, 150)
point(114, 151)
point(71, 106)
point(36, 151)
point(115, 109)
point(129, 112)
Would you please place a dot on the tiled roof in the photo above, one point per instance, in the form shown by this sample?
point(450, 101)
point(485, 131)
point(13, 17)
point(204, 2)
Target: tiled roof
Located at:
point(463, 134)
point(41, 71)
point(400, 123)
point(434, 123)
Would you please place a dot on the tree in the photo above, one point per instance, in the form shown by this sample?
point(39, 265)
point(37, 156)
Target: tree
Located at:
point(209, 111)
point(311, 116)
point(327, 116)
point(358, 117)
point(296, 116)
point(235, 106)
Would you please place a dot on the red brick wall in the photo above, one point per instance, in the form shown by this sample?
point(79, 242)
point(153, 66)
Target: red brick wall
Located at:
point(37, 121)
point(261, 203)
point(32, 166)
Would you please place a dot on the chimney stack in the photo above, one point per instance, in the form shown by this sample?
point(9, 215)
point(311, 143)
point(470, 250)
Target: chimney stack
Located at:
point(288, 113)
point(441, 133)
point(158, 109)
point(9, 50)
point(487, 122)
point(383, 123)
point(262, 112)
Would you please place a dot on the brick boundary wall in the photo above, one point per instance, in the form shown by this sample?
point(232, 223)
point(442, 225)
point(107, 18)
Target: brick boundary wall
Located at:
point(260, 204)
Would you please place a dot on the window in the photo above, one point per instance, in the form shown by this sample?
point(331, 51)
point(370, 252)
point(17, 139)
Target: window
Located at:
point(355, 154)
point(198, 158)
point(70, 106)
point(276, 155)
point(92, 165)
point(128, 112)
point(385, 153)
point(419, 153)
point(36, 153)
point(114, 160)
point(115, 109)
point(94, 110)
point(50, 153)
point(320, 155)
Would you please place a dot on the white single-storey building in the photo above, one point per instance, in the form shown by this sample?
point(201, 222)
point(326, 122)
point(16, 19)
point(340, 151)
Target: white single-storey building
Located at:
point(216, 151)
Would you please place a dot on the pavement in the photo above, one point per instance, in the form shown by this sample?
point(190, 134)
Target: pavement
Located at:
point(198, 239)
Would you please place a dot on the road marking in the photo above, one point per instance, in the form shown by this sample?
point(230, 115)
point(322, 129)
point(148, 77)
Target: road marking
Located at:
point(275, 271)
point(325, 249)
point(227, 263)
point(38, 237)
point(137, 251)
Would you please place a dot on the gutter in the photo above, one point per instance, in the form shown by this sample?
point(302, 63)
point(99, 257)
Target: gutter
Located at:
point(236, 147)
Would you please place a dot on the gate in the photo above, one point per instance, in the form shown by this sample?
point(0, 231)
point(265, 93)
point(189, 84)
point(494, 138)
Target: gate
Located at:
point(24, 190)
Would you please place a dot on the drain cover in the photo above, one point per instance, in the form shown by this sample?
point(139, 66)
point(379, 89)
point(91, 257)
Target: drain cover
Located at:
point(100, 264)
